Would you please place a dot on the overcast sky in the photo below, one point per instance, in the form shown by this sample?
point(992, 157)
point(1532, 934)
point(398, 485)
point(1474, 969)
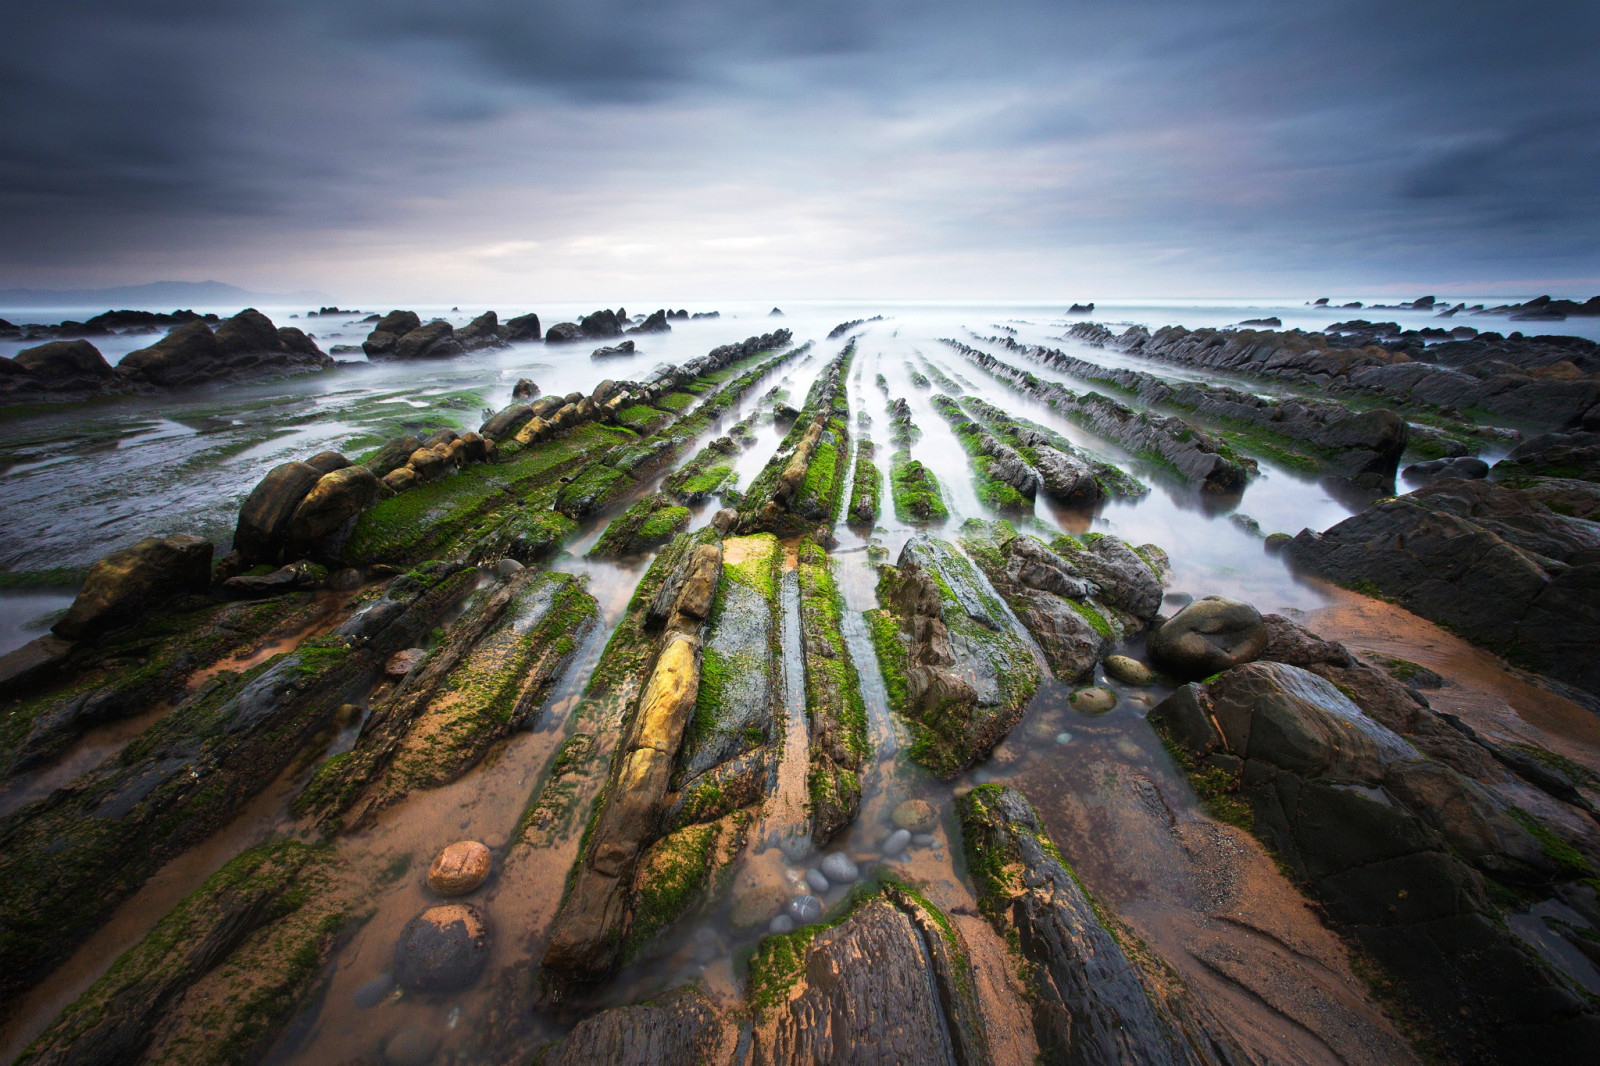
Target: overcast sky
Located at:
point(686, 150)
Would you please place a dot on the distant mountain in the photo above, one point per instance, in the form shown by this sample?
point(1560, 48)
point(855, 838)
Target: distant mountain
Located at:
point(156, 296)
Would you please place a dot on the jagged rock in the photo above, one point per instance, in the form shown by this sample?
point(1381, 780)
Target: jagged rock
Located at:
point(1563, 455)
point(126, 584)
point(525, 389)
point(443, 949)
point(1208, 635)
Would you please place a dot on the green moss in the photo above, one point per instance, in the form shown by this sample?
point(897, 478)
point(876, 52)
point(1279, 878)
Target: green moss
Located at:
point(916, 491)
point(890, 646)
point(60, 578)
point(678, 869)
point(1217, 790)
point(677, 402)
point(1568, 860)
point(1094, 618)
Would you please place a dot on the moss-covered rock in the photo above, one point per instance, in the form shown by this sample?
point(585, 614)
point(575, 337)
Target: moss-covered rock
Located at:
point(834, 706)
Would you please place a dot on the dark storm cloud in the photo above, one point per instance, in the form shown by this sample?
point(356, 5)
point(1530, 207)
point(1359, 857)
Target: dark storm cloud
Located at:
point(1455, 138)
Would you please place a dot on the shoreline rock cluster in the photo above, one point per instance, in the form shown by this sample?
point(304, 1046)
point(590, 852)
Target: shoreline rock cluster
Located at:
point(243, 347)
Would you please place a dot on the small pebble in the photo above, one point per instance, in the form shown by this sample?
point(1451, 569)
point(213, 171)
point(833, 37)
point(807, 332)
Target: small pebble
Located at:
point(922, 840)
point(781, 924)
point(507, 568)
point(371, 994)
point(916, 815)
point(805, 909)
point(818, 882)
point(1095, 700)
point(897, 841)
point(1063, 737)
point(838, 869)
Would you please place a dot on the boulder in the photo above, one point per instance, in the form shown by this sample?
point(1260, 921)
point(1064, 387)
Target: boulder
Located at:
point(443, 949)
point(481, 332)
point(521, 328)
point(506, 422)
point(326, 515)
point(62, 363)
point(248, 331)
point(392, 455)
point(264, 518)
point(602, 323)
point(1207, 636)
point(1465, 467)
point(181, 356)
point(435, 340)
point(625, 348)
point(656, 323)
point(328, 462)
point(127, 584)
point(428, 464)
point(295, 340)
point(459, 868)
point(388, 330)
point(525, 389)
point(564, 333)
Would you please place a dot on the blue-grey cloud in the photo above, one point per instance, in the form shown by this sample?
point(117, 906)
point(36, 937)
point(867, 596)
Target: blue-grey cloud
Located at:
point(1248, 140)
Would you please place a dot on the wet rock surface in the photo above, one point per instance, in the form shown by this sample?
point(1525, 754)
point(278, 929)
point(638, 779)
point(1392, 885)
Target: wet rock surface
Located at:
point(1394, 844)
point(125, 584)
point(1490, 561)
point(443, 949)
point(1208, 636)
point(1093, 1004)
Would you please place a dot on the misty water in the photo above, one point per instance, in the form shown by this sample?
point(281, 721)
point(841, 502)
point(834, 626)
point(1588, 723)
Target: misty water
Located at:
point(79, 482)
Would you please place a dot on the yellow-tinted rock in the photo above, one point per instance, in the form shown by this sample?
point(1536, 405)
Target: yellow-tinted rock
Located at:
point(919, 816)
point(460, 868)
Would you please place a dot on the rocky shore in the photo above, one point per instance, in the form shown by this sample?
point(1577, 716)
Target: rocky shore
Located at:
point(633, 725)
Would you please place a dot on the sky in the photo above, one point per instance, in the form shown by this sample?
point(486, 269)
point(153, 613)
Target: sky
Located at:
point(687, 150)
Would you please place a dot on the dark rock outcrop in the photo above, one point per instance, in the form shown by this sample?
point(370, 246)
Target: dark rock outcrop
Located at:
point(1394, 845)
point(1489, 561)
point(245, 346)
point(521, 328)
point(680, 1026)
point(655, 323)
point(127, 584)
point(1091, 1003)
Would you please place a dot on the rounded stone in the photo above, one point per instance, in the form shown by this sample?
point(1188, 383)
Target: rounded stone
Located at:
point(781, 924)
point(507, 568)
point(916, 815)
point(923, 840)
point(1129, 670)
point(1063, 737)
point(373, 992)
point(403, 662)
point(1094, 700)
point(897, 842)
point(819, 883)
point(459, 868)
point(805, 909)
point(837, 868)
point(410, 1047)
point(758, 905)
point(1276, 542)
point(1208, 636)
point(442, 949)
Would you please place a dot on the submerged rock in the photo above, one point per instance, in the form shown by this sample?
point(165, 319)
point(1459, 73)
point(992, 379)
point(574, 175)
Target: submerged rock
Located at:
point(1209, 635)
point(443, 949)
point(459, 868)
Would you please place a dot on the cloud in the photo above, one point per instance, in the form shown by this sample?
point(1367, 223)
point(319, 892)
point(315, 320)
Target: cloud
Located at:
point(839, 148)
